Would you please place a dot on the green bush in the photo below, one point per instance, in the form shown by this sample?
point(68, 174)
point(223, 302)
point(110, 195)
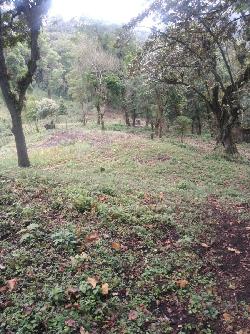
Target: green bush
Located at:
point(46, 107)
point(83, 203)
point(64, 239)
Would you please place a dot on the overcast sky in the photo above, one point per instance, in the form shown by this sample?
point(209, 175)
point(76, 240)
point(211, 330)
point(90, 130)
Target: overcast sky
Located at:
point(111, 11)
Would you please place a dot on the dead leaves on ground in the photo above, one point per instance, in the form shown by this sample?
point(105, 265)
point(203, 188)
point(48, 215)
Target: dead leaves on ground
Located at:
point(116, 246)
point(182, 283)
point(233, 250)
point(227, 317)
point(133, 315)
point(104, 287)
point(92, 281)
point(92, 237)
point(11, 284)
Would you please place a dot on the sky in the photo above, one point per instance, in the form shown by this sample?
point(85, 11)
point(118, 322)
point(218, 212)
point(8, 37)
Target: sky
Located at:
point(110, 11)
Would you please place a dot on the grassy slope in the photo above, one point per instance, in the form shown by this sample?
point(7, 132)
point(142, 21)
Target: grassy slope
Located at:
point(164, 224)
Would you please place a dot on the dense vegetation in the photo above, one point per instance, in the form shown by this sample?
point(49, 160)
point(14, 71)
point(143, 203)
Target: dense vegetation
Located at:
point(133, 214)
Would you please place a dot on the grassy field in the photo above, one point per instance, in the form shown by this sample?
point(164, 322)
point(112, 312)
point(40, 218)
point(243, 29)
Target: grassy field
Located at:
point(111, 232)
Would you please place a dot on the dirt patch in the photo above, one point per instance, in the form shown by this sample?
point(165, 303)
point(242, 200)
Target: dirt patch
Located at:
point(228, 258)
point(153, 160)
point(96, 138)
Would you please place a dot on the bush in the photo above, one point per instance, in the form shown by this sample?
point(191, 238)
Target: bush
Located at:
point(46, 107)
point(83, 203)
point(35, 109)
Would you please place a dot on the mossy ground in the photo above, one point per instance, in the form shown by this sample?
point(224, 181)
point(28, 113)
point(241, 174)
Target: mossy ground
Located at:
point(164, 224)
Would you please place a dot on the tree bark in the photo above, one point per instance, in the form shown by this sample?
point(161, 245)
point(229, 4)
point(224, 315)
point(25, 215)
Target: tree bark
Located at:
point(134, 117)
point(102, 120)
point(127, 120)
point(21, 148)
point(225, 138)
point(84, 118)
point(98, 108)
point(199, 125)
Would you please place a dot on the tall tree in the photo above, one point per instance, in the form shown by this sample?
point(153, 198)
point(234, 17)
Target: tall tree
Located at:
point(20, 21)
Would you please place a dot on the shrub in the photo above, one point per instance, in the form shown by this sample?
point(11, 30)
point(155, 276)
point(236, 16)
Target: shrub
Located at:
point(64, 239)
point(46, 107)
point(83, 203)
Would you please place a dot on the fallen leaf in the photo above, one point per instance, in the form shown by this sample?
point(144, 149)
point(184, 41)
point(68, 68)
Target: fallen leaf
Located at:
point(204, 245)
point(182, 283)
point(243, 331)
point(70, 306)
point(116, 246)
point(234, 250)
point(72, 291)
point(103, 198)
point(12, 283)
point(92, 237)
point(105, 288)
point(70, 323)
point(227, 317)
point(92, 281)
point(3, 288)
point(133, 315)
point(82, 331)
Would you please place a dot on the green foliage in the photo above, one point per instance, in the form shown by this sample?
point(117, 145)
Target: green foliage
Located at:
point(183, 124)
point(65, 238)
point(83, 202)
point(30, 111)
point(46, 107)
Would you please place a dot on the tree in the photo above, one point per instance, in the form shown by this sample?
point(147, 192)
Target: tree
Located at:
point(20, 21)
point(93, 64)
point(202, 46)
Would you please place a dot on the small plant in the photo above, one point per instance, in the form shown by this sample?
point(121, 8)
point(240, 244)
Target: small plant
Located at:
point(183, 124)
point(83, 203)
point(64, 239)
point(57, 295)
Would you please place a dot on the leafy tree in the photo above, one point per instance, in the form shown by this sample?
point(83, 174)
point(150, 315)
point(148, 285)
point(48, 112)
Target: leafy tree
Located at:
point(20, 21)
point(202, 45)
point(92, 66)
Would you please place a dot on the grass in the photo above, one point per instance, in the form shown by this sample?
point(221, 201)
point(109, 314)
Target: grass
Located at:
point(154, 221)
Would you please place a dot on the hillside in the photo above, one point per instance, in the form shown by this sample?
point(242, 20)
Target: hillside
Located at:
point(111, 232)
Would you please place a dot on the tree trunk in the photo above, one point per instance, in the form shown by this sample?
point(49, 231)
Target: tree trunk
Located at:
point(21, 148)
point(133, 117)
point(225, 122)
point(84, 118)
point(193, 126)
point(199, 125)
point(98, 108)
point(102, 120)
point(225, 138)
point(127, 120)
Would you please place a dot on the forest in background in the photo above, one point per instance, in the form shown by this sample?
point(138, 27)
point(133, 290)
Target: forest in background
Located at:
point(88, 69)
